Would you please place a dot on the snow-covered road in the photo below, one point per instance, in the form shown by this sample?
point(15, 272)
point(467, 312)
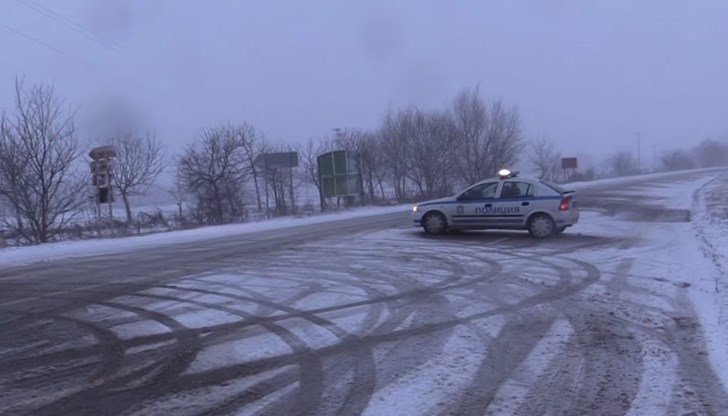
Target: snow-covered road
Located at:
point(624, 314)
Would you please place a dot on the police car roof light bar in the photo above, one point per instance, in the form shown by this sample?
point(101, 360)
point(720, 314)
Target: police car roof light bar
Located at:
point(505, 174)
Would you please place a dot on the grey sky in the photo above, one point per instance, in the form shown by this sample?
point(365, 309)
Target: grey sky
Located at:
point(586, 74)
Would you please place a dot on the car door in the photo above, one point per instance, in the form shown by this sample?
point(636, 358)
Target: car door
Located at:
point(473, 206)
point(514, 203)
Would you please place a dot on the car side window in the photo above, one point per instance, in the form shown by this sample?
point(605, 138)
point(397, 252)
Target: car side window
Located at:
point(517, 190)
point(482, 191)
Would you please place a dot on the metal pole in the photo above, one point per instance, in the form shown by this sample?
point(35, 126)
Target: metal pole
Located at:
point(97, 204)
point(267, 198)
point(639, 153)
point(110, 197)
point(292, 199)
point(267, 203)
point(361, 179)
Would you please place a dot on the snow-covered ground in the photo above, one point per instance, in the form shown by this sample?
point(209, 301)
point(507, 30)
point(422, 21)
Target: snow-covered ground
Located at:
point(16, 256)
point(624, 312)
point(710, 249)
point(659, 277)
point(13, 256)
point(638, 178)
point(679, 263)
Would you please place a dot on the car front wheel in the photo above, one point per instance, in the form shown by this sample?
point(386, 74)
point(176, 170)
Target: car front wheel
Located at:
point(434, 223)
point(541, 226)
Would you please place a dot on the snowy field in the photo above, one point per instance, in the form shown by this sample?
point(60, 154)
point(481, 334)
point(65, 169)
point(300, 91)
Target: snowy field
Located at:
point(623, 314)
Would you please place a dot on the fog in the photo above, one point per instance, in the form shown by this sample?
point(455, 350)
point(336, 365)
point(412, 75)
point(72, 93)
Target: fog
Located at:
point(586, 76)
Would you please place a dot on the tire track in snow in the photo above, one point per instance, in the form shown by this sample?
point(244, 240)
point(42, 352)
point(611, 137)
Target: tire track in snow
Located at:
point(432, 385)
point(515, 397)
point(613, 366)
point(310, 385)
point(311, 371)
point(281, 307)
point(113, 395)
point(420, 305)
point(417, 294)
point(701, 389)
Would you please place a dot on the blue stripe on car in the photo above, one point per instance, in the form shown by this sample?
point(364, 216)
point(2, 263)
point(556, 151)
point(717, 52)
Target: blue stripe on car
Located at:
point(475, 201)
point(489, 216)
point(490, 220)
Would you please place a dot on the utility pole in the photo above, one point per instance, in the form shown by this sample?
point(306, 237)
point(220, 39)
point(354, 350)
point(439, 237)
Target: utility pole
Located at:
point(337, 136)
point(639, 153)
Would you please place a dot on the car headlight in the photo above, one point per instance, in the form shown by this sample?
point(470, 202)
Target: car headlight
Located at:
point(415, 208)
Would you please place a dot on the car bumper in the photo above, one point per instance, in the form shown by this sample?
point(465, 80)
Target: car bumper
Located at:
point(567, 219)
point(416, 219)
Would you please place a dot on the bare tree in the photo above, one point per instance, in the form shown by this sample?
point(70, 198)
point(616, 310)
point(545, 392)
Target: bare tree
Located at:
point(545, 159)
point(711, 153)
point(622, 164)
point(251, 142)
point(213, 170)
point(39, 151)
point(369, 147)
point(140, 159)
point(429, 165)
point(505, 140)
point(489, 137)
point(677, 160)
point(308, 155)
point(588, 174)
point(177, 192)
point(471, 119)
point(281, 182)
point(418, 148)
point(396, 145)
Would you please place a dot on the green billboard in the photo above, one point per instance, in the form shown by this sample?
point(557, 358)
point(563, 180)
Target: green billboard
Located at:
point(340, 174)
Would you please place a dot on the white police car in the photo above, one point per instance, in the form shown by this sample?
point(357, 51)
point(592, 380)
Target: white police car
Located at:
point(507, 202)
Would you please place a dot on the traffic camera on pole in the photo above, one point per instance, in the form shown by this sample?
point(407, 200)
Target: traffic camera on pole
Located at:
point(102, 173)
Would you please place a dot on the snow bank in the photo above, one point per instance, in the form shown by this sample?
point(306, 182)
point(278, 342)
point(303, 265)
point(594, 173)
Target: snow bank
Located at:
point(17, 256)
point(710, 219)
point(598, 183)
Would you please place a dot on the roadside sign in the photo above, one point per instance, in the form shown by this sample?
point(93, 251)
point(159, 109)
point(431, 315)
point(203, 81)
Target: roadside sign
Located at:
point(568, 163)
point(101, 165)
point(340, 174)
point(102, 152)
point(274, 161)
point(102, 176)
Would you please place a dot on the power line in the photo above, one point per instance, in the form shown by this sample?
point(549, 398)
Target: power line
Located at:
point(140, 87)
point(69, 24)
point(83, 31)
point(46, 44)
point(91, 36)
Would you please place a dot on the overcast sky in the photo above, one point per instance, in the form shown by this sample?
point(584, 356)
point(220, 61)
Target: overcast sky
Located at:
point(586, 74)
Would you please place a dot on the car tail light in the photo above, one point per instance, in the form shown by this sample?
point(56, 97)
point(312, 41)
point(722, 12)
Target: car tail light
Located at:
point(565, 204)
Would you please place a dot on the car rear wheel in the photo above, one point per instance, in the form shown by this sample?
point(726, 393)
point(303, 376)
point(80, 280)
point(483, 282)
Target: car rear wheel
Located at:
point(434, 223)
point(541, 226)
